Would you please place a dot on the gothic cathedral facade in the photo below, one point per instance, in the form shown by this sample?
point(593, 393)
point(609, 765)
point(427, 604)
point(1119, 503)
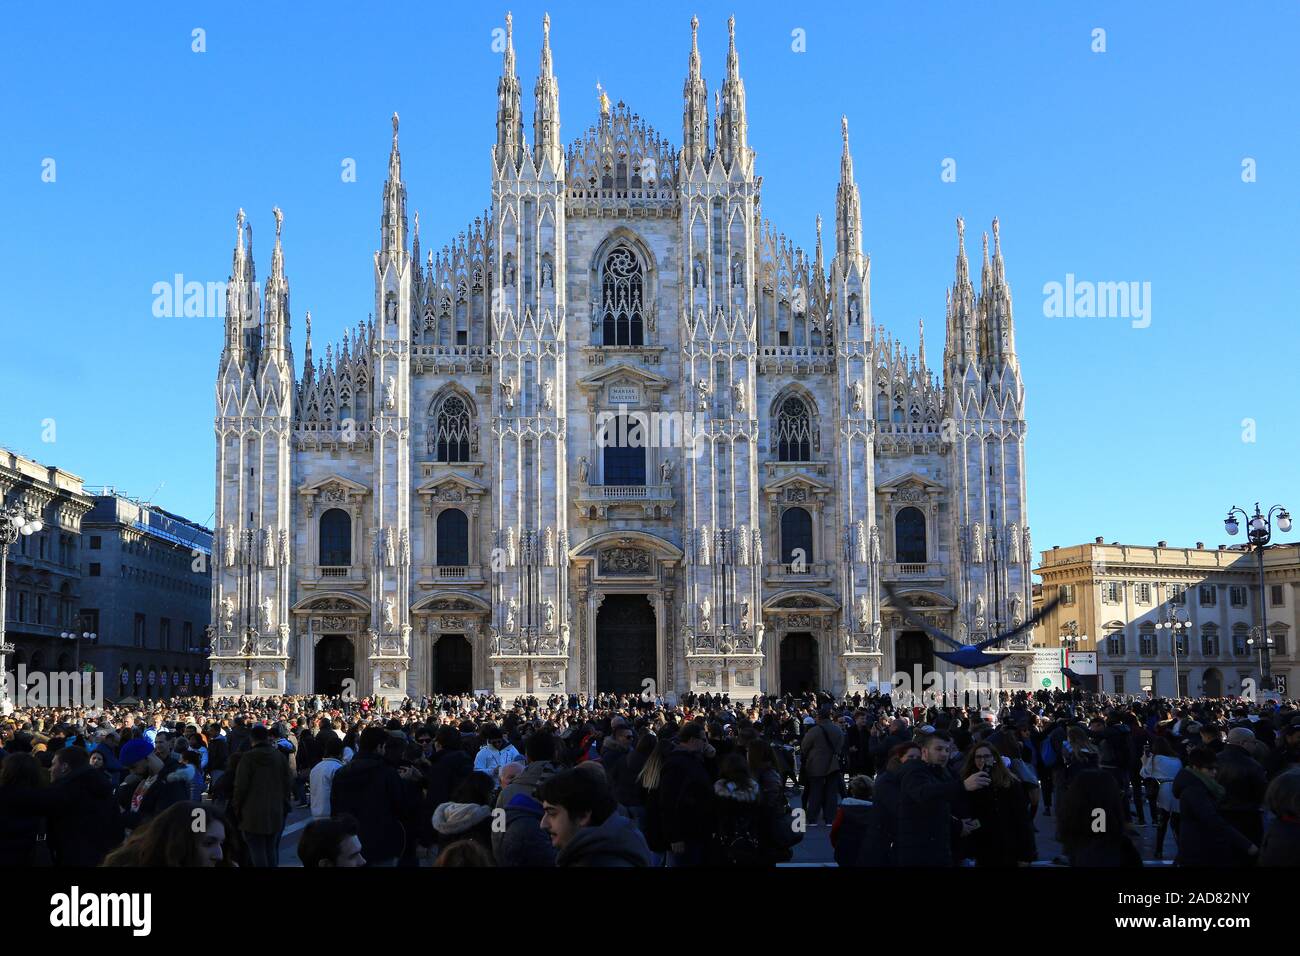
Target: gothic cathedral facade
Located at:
point(620, 435)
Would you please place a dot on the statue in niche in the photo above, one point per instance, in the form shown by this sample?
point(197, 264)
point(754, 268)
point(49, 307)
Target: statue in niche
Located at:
point(268, 548)
point(1013, 543)
point(702, 389)
point(228, 540)
point(744, 615)
point(861, 542)
point(548, 609)
point(859, 400)
point(706, 611)
point(742, 545)
point(979, 612)
point(390, 612)
point(864, 613)
point(738, 396)
point(510, 546)
point(406, 547)
point(737, 274)
point(268, 613)
point(390, 547)
point(390, 393)
point(511, 607)
point(977, 543)
point(1016, 618)
point(875, 545)
point(699, 274)
point(564, 639)
point(584, 466)
point(547, 280)
point(508, 391)
point(666, 471)
point(548, 555)
point(228, 614)
point(548, 394)
point(704, 544)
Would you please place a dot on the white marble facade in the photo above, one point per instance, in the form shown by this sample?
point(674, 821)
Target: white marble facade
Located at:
point(443, 474)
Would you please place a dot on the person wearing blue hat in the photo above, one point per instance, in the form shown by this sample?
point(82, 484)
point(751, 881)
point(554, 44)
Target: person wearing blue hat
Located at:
point(146, 792)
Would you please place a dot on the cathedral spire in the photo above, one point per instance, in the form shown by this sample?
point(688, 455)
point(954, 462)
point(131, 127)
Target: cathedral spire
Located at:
point(307, 367)
point(986, 276)
point(920, 351)
point(510, 117)
point(817, 255)
point(275, 321)
point(546, 112)
point(392, 239)
point(242, 332)
point(961, 347)
point(695, 105)
point(848, 205)
point(733, 127)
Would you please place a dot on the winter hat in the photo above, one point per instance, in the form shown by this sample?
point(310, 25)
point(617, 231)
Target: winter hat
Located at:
point(134, 751)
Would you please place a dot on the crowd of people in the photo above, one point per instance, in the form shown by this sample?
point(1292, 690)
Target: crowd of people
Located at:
point(618, 780)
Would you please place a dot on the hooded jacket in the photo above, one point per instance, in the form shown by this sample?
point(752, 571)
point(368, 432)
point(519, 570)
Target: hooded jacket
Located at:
point(616, 842)
point(527, 784)
point(524, 842)
point(463, 821)
point(262, 785)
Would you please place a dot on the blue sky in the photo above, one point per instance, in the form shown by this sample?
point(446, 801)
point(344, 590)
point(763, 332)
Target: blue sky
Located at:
point(1117, 166)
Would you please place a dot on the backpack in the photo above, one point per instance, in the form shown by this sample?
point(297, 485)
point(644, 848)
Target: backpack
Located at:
point(1046, 753)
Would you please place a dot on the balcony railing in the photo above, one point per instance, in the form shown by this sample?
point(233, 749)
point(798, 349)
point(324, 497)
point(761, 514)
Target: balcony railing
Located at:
point(625, 492)
point(335, 571)
point(914, 569)
point(804, 570)
point(448, 572)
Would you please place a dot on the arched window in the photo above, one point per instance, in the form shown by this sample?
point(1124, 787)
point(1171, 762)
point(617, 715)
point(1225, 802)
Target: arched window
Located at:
point(623, 440)
point(451, 429)
point(453, 538)
point(621, 284)
point(794, 438)
point(796, 536)
point(335, 538)
point(909, 536)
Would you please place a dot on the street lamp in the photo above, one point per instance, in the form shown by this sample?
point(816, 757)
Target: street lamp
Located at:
point(1178, 628)
point(1260, 531)
point(77, 635)
point(14, 524)
point(1070, 637)
point(1262, 644)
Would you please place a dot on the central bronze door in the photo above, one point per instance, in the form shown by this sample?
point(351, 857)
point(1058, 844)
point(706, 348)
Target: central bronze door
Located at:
point(453, 665)
point(625, 644)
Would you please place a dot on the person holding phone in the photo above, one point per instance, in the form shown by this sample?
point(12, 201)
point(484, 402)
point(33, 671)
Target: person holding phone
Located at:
point(1003, 831)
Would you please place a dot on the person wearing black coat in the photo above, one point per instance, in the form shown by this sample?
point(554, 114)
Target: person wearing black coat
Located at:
point(1244, 782)
point(1205, 838)
point(449, 766)
point(20, 823)
point(378, 797)
point(686, 799)
point(929, 792)
point(1005, 835)
point(1281, 846)
point(84, 822)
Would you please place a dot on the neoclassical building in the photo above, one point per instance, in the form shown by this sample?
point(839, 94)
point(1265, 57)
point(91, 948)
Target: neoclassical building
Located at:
point(620, 434)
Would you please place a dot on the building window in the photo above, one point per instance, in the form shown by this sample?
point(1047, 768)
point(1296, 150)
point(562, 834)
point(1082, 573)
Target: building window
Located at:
point(335, 538)
point(1142, 593)
point(1115, 644)
point(139, 630)
point(1279, 644)
point(1147, 643)
point(621, 297)
point(187, 635)
point(624, 444)
point(452, 433)
point(1067, 594)
point(909, 536)
point(794, 431)
point(1275, 595)
point(1176, 594)
point(164, 634)
point(95, 569)
point(453, 538)
point(1240, 634)
point(1209, 595)
point(95, 542)
point(1237, 596)
point(1110, 592)
point(1209, 642)
point(1118, 680)
point(796, 536)
point(1182, 645)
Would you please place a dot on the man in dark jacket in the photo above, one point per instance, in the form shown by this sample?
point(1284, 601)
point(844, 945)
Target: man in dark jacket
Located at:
point(84, 820)
point(927, 793)
point(614, 751)
point(1244, 782)
point(377, 796)
point(523, 842)
point(1205, 838)
point(580, 818)
point(263, 783)
point(686, 798)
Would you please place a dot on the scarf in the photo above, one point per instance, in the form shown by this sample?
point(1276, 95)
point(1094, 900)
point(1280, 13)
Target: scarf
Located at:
point(1215, 788)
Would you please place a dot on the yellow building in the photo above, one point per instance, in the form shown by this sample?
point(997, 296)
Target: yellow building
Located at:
point(1119, 600)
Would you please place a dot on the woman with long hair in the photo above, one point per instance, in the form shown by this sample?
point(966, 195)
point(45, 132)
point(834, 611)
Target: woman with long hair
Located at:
point(739, 837)
point(649, 779)
point(186, 834)
point(1005, 832)
point(1090, 822)
point(1160, 765)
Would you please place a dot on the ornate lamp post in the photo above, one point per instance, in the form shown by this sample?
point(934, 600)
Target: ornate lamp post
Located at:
point(1259, 528)
point(1263, 643)
point(80, 632)
point(1069, 637)
point(1178, 628)
point(14, 524)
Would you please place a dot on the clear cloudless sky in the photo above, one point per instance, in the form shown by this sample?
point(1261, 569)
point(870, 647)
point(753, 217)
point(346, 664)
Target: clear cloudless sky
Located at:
point(1117, 166)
